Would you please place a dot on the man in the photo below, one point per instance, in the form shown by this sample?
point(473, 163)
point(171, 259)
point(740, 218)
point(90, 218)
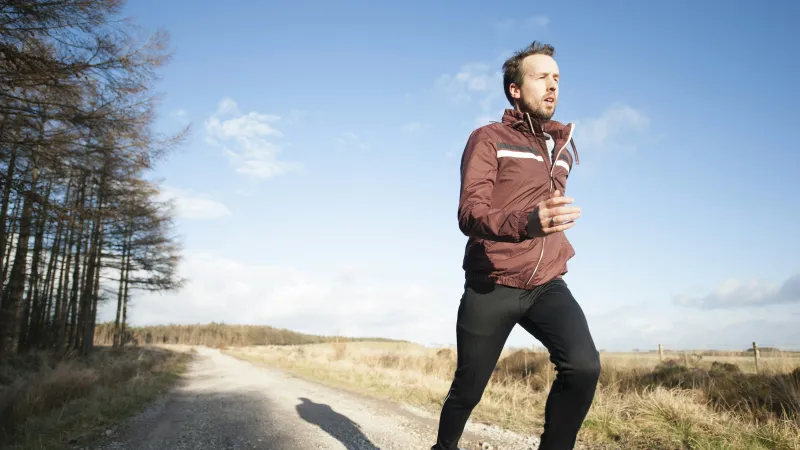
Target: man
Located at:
point(512, 208)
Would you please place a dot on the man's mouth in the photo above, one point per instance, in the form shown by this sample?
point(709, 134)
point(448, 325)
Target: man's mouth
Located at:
point(550, 100)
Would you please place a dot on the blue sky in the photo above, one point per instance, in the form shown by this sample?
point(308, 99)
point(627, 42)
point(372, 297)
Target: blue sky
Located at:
point(319, 186)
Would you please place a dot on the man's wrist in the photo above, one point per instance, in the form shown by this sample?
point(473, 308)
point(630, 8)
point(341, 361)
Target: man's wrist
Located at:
point(533, 226)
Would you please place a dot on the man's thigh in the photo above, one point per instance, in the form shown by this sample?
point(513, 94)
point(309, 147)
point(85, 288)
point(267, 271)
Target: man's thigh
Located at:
point(486, 316)
point(557, 320)
point(487, 309)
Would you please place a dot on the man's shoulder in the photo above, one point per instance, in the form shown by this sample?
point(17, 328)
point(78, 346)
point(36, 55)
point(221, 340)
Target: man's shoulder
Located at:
point(489, 131)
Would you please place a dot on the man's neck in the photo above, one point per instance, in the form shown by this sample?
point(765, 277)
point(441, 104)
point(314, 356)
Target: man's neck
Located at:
point(533, 115)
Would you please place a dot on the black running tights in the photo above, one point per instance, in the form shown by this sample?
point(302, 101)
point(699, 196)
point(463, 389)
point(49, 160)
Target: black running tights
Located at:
point(550, 313)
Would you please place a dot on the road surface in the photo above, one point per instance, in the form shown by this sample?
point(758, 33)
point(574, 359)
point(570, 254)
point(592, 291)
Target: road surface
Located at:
point(226, 403)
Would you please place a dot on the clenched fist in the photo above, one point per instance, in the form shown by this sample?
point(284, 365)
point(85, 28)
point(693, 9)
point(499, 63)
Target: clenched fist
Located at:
point(552, 215)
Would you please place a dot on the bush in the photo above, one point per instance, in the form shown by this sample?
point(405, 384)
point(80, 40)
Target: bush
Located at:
point(760, 396)
point(534, 368)
point(724, 367)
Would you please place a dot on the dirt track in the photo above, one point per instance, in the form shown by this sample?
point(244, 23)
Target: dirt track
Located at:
point(226, 403)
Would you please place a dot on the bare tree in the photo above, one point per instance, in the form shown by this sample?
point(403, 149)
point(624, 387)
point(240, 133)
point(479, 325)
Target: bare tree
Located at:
point(78, 222)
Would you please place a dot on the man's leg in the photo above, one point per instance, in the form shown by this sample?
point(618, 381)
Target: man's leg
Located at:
point(558, 322)
point(486, 316)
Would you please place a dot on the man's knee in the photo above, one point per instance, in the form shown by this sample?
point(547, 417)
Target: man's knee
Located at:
point(466, 396)
point(471, 397)
point(585, 370)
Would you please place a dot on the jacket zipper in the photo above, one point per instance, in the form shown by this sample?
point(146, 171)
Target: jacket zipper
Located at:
point(550, 177)
point(546, 160)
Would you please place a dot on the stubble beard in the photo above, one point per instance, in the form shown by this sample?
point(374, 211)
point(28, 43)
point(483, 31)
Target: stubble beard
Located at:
point(539, 111)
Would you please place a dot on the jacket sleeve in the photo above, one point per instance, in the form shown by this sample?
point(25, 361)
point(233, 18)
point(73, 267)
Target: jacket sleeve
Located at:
point(476, 217)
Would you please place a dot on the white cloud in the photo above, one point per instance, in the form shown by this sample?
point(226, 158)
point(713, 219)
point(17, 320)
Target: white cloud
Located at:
point(472, 81)
point(476, 84)
point(191, 205)
point(227, 107)
point(248, 140)
point(734, 293)
point(650, 323)
point(619, 127)
point(347, 300)
point(630, 326)
point(350, 140)
point(357, 301)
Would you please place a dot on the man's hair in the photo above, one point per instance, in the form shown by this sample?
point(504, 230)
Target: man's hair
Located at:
point(512, 68)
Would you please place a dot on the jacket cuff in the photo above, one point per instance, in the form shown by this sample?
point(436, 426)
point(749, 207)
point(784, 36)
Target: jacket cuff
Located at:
point(532, 224)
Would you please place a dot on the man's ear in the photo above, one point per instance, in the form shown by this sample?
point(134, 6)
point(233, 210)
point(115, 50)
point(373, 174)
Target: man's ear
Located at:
point(514, 90)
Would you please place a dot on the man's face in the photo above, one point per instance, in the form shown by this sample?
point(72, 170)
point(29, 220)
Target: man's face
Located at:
point(538, 94)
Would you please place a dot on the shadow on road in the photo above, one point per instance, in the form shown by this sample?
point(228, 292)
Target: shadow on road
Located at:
point(235, 420)
point(337, 425)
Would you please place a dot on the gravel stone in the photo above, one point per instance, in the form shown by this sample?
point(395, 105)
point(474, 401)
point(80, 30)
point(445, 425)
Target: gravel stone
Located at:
point(226, 403)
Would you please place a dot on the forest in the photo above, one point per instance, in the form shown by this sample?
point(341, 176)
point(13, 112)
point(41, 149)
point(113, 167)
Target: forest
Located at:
point(81, 220)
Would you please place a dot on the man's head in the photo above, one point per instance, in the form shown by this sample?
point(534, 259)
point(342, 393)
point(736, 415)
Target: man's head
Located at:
point(530, 80)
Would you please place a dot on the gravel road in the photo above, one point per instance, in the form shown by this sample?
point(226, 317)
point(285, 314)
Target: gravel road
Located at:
point(226, 403)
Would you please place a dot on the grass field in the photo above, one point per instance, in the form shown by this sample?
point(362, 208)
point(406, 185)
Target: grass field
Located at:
point(689, 401)
point(49, 402)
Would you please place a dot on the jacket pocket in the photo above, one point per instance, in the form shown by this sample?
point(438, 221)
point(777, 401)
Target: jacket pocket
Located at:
point(556, 254)
point(500, 251)
point(516, 259)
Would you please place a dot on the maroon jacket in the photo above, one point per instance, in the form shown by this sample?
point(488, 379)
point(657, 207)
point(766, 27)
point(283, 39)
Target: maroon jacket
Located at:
point(506, 171)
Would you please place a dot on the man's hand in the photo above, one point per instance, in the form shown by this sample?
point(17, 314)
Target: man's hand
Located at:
point(552, 215)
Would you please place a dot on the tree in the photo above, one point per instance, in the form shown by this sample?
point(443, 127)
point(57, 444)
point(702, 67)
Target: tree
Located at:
point(79, 222)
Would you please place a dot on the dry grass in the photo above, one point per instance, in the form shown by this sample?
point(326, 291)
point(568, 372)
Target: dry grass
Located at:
point(772, 362)
point(696, 401)
point(217, 335)
point(49, 402)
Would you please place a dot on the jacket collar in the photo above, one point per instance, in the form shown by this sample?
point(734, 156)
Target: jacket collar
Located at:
point(525, 123)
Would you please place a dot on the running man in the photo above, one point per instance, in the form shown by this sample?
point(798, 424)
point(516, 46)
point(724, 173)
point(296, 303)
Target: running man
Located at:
point(514, 212)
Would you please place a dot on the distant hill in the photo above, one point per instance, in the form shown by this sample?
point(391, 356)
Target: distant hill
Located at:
point(218, 334)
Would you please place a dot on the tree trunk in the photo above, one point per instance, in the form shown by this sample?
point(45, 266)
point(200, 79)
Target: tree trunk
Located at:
point(14, 227)
point(120, 293)
point(62, 309)
point(12, 294)
point(96, 294)
point(125, 295)
point(87, 299)
point(30, 306)
point(4, 208)
point(80, 312)
point(60, 316)
point(44, 331)
point(76, 280)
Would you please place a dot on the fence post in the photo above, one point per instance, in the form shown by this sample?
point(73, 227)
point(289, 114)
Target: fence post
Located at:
point(660, 353)
point(755, 354)
point(525, 356)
